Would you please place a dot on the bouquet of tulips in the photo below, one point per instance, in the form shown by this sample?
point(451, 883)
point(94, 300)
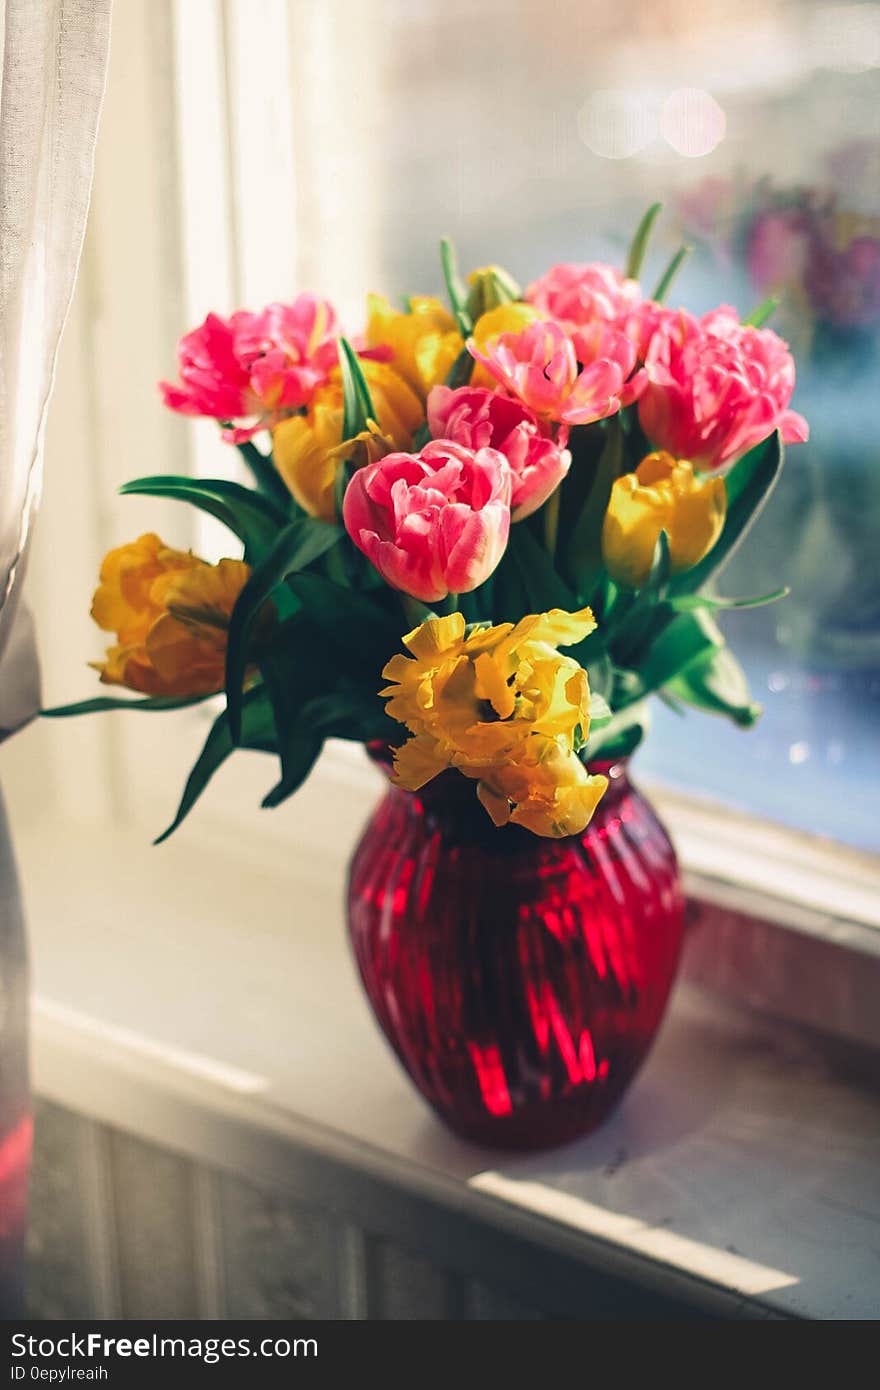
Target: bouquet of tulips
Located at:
point(438, 506)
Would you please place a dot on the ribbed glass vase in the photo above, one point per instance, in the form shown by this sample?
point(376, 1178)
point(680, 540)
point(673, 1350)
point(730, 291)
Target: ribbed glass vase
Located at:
point(520, 980)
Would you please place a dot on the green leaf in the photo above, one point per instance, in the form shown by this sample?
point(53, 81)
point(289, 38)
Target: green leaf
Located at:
point(671, 703)
point(639, 244)
point(355, 713)
point(627, 688)
point(267, 478)
point(600, 711)
point(455, 288)
point(716, 683)
point(297, 546)
point(619, 737)
point(111, 702)
point(421, 436)
point(290, 681)
point(669, 274)
point(356, 398)
point(596, 663)
point(257, 732)
point(582, 553)
point(758, 317)
point(300, 751)
point(687, 602)
point(633, 625)
point(585, 444)
point(685, 639)
point(658, 575)
point(461, 370)
point(362, 632)
point(537, 578)
point(749, 484)
point(249, 515)
point(344, 473)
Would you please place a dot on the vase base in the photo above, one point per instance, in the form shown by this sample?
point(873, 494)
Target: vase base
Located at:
point(540, 1126)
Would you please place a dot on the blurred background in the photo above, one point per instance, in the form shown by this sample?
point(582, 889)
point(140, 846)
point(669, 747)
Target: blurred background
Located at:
point(254, 148)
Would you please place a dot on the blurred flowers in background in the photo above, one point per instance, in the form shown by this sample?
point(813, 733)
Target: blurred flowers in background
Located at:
point(816, 247)
point(803, 243)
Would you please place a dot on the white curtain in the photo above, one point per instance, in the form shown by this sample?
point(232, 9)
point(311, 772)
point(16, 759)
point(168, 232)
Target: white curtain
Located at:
point(53, 60)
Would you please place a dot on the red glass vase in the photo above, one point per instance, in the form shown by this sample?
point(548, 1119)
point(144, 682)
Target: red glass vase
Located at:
point(520, 980)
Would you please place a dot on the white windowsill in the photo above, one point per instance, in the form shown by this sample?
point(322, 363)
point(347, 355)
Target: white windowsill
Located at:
point(203, 996)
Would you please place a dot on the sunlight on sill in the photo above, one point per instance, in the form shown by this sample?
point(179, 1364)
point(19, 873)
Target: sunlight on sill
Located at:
point(112, 1037)
point(768, 858)
point(656, 1242)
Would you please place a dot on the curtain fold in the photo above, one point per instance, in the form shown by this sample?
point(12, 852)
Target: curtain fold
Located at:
point(54, 61)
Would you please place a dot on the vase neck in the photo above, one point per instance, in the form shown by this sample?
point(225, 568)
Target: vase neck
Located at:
point(452, 793)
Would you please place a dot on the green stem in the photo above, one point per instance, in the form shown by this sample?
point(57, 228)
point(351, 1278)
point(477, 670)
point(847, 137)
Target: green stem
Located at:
point(268, 481)
point(670, 273)
point(337, 569)
point(414, 611)
point(551, 523)
point(455, 289)
point(447, 605)
point(640, 241)
point(758, 317)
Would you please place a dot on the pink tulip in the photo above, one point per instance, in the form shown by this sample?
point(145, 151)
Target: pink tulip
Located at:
point(432, 523)
point(575, 378)
point(481, 419)
point(641, 323)
point(716, 388)
point(255, 367)
point(578, 295)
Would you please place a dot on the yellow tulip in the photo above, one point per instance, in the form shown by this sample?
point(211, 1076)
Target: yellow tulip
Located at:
point(663, 494)
point(170, 612)
point(308, 448)
point(546, 789)
point(506, 709)
point(504, 318)
point(424, 342)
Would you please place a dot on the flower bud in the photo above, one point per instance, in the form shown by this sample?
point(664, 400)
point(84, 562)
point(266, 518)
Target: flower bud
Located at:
point(490, 287)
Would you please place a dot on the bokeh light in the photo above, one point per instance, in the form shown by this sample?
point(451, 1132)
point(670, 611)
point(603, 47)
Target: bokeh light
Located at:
point(692, 122)
point(616, 123)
